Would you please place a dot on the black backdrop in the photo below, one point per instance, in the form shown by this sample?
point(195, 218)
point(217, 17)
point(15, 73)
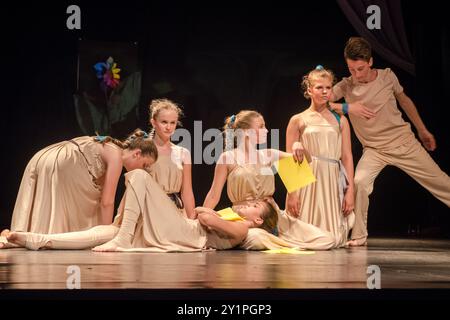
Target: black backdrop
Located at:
point(215, 58)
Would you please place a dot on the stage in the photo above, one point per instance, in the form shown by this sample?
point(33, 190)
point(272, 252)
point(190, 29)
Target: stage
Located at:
point(404, 263)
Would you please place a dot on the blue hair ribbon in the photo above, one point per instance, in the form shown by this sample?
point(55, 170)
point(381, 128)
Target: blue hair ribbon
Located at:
point(100, 138)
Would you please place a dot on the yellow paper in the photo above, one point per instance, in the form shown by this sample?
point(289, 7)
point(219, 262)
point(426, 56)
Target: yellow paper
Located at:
point(289, 251)
point(229, 215)
point(293, 174)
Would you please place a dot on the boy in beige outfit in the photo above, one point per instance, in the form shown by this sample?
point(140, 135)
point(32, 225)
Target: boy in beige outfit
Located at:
point(386, 138)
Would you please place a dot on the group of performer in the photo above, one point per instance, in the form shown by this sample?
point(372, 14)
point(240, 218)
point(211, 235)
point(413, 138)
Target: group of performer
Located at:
point(66, 197)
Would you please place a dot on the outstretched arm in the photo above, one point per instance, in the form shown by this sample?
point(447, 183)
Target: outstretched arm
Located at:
point(347, 161)
point(411, 111)
point(356, 108)
point(187, 195)
point(220, 177)
point(113, 160)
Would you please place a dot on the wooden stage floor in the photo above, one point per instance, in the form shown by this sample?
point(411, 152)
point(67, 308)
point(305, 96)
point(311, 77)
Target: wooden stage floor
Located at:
point(404, 263)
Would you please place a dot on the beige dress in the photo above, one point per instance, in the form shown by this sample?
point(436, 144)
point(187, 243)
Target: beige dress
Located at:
point(320, 202)
point(161, 226)
point(61, 188)
point(256, 181)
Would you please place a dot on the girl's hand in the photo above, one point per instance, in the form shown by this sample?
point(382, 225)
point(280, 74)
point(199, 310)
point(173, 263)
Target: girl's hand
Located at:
point(204, 210)
point(293, 204)
point(349, 203)
point(298, 151)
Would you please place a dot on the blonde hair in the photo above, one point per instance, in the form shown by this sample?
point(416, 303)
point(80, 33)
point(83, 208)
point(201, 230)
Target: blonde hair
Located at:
point(157, 105)
point(269, 215)
point(138, 139)
point(318, 72)
point(242, 120)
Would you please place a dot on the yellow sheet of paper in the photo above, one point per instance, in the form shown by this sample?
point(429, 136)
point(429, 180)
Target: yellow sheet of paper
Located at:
point(294, 175)
point(229, 215)
point(289, 251)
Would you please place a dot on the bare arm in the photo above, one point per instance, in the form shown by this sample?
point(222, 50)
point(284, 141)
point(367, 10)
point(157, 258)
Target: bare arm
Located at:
point(293, 144)
point(411, 111)
point(113, 159)
point(187, 195)
point(235, 231)
point(347, 161)
point(220, 177)
point(356, 108)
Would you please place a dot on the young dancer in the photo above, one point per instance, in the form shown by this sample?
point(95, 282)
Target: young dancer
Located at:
point(386, 138)
point(325, 136)
point(249, 176)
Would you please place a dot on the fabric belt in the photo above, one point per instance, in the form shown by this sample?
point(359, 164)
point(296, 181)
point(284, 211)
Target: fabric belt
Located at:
point(175, 197)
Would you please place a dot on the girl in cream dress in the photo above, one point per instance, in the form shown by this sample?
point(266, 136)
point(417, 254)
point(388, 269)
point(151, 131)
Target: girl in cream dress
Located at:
point(325, 136)
point(249, 177)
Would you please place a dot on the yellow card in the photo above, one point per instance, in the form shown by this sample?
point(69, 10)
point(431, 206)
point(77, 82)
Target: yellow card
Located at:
point(293, 174)
point(289, 251)
point(229, 215)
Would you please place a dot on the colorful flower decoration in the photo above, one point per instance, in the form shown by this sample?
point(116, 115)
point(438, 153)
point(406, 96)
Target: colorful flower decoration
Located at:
point(108, 73)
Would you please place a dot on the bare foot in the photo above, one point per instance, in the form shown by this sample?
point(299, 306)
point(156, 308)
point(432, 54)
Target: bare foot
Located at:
point(5, 233)
point(18, 238)
point(357, 242)
point(3, 242)
point(32, 241)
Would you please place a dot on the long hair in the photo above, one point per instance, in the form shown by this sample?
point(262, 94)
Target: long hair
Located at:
point(242, 120)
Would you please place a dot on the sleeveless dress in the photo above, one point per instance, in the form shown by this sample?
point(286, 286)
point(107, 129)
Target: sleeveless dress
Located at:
point(248, 182)
point(321, 202)
point(162, 226)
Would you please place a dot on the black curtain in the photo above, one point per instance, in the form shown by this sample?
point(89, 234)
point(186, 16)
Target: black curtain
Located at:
point(390, 41)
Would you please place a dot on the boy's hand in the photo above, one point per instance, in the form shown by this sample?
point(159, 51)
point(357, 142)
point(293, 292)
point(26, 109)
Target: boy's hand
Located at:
point(360, 110)
point(427, 139)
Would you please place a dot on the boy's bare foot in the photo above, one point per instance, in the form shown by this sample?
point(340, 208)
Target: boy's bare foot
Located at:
point(357, 242)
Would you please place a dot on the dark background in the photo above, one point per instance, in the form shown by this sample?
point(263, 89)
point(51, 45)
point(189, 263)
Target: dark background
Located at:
point(215, 58)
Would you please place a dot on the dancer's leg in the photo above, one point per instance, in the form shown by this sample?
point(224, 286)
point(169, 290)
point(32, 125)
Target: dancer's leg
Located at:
point(70, 240)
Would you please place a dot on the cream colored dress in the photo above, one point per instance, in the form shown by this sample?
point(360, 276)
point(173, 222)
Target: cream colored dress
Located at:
point(320, 202)
point(248, 182)
point(161, 226)
point(61, 189)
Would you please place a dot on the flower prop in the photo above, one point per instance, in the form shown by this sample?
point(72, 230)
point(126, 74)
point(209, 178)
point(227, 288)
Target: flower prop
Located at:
point(108, 73)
